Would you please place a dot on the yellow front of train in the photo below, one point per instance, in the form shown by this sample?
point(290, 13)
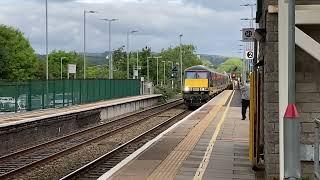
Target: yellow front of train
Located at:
point(196, 87)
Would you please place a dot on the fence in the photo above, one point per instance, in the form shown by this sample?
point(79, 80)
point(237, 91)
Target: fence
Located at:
point(32, 95)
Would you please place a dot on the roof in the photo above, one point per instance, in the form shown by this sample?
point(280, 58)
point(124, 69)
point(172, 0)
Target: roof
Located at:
point(202, 68)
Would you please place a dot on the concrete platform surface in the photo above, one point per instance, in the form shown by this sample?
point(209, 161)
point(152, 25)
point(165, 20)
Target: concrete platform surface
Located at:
point(16, 118)
point(212, 143)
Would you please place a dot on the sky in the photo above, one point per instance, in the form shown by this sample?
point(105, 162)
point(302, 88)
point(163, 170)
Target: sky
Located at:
point(213, 26)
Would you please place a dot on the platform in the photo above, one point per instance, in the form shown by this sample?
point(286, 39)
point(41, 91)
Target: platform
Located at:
point(22, 130)
point(211, 143)
point(17, 118)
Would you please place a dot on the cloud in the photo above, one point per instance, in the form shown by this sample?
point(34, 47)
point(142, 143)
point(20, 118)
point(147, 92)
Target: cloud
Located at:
point(212, 25)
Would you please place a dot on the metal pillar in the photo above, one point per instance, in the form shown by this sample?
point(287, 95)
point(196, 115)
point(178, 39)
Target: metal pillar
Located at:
point(157, 70)
point(148, 69)
point(292, 169)
point(110, 54)
point(128, 58)
point(164, 72)
point(47, 52)
point(181, 78)
point(137, 64)
point(84, 44)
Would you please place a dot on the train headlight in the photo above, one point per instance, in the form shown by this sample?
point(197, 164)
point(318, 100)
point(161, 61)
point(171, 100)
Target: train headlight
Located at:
point(186, 89)
point(204, 89)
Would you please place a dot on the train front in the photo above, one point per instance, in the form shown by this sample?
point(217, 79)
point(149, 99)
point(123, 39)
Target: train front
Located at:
point(196, 87)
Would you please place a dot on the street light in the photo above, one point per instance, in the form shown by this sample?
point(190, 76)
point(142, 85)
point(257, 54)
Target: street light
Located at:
point(148, 73)
point(158, 68)
point(171, 74)
point(110, 52)
point(47, 54)
point(128, 34)
point(164, 72)
point(181, 79)
point(84, 40)
point(61, 66)
point(250, 5)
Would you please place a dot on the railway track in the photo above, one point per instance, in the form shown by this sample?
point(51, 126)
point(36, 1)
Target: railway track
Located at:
point(26, 159)
point(98, 167)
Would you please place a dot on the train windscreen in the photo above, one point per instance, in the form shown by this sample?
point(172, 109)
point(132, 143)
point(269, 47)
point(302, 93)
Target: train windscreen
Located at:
point(196, 75)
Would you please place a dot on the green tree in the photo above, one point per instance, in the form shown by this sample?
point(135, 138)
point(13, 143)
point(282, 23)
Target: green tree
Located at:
point(18, 60)
point(189, 58)
point(69, 58)
point(231, 65)
point(120, 63)
point(97, 71)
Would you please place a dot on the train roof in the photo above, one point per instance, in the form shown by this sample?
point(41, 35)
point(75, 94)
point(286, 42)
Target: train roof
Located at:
point(203, 68)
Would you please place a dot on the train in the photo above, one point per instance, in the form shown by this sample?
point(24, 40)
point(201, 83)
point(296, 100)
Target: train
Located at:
point(201, 84)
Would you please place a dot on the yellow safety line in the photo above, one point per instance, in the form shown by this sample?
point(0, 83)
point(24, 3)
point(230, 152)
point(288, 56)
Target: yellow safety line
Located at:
point(168, 168)
point(205, 161)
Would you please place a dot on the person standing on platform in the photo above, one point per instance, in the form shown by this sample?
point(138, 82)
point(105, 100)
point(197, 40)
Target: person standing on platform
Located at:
point(245, 99)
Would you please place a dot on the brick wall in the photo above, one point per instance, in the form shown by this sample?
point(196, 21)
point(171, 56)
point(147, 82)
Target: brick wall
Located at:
point(307, 91)
point(270, 114)
point(307, 94)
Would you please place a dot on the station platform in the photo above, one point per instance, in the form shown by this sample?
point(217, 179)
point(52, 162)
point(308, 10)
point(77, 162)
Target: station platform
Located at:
point(18, 118)
point(210, 143)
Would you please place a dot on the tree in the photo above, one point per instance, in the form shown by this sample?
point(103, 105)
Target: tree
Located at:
point(231, 65)
point(120, 63)
point(189, 58)
point(69, 58)
point(18, 60)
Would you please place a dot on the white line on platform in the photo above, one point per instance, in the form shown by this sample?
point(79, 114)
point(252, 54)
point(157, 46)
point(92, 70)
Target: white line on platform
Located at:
point(146, 146)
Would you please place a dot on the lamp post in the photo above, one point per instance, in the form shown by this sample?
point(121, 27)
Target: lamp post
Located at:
point(61, 66)
point(148, 73)
point(171, 74)
point(137, 64)
point(250, 5)
point(128, 58)
point(164, 72)
point(47, 54)
point(181, 78)
point(84, 40)
point(158, 68)
point(110, 52)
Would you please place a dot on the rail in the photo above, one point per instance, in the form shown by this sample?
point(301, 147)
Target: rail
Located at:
point(66, 144)
point(316, 149)
point(112, 158)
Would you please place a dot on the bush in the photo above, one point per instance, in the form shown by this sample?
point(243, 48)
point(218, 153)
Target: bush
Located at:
point(166, 91)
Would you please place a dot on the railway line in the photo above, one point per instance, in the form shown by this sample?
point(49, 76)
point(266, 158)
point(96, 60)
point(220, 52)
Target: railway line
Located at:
point(27, 159)
point(98, 167)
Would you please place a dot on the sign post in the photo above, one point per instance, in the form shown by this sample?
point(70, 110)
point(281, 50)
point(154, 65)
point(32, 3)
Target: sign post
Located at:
point(249, 55)
point(248, 35)
point(72, 69)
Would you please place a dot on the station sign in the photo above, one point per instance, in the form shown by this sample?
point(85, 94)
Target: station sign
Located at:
point(249, 55)
point(248, 34)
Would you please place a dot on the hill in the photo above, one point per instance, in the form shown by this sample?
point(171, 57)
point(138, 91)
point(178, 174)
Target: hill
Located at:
point(100, 58)
point(215, 60)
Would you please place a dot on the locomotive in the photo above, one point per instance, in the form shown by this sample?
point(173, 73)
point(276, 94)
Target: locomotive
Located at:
point(201, 84)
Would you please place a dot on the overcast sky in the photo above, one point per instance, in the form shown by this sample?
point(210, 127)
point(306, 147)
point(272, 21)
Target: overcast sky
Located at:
point(212, 25)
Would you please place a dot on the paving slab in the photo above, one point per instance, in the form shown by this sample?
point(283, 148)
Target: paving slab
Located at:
point(181, 153)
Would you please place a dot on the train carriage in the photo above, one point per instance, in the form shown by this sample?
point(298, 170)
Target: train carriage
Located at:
point(201, 84)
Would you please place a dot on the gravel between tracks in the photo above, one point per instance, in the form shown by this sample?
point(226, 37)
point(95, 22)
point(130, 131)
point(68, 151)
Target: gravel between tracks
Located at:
point(72, 161)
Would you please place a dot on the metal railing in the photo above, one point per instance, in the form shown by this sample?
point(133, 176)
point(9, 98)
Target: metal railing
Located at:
point(316, 149)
